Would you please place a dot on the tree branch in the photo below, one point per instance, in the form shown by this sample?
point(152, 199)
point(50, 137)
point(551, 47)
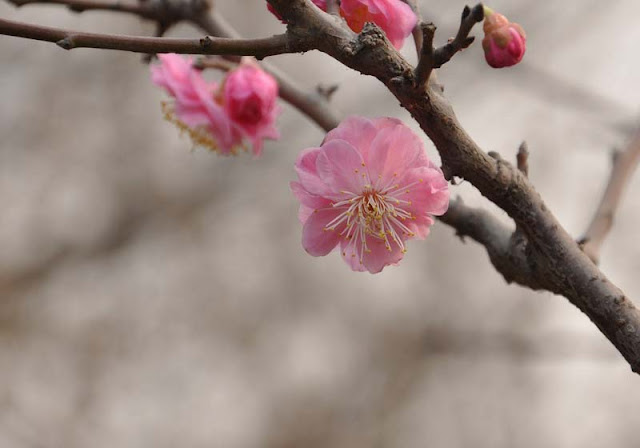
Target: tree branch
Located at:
point(141, 9)
point(624, 164)
point(507, 249)
point(556, 262)
point(260, 48)
point(543, 253)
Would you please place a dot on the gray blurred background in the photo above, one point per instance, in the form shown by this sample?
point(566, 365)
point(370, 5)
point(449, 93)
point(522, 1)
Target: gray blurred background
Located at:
point(151, 296)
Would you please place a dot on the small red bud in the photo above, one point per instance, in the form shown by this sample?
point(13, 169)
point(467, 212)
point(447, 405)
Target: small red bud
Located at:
point(504, 42)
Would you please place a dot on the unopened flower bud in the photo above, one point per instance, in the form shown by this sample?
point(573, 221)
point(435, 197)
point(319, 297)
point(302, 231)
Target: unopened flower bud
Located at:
point(504, 42)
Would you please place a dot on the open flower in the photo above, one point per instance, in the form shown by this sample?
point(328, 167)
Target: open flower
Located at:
point(217, 117)
point(394, 17)
point(250, 100)
point(369, 188)
point(504, 42)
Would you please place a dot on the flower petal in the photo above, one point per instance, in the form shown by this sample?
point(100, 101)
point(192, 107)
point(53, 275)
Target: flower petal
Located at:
point(350, 256)
point(315, 239)
point(379, 256)
point(340, 165)
point(308, 173)
point(395, 150)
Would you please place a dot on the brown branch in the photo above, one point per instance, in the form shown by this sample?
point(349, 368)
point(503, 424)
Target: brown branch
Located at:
point(139, 9)
point(507, 249)
point(556, 262)
point(260, 48)
point(624, 164)
point(165, 13)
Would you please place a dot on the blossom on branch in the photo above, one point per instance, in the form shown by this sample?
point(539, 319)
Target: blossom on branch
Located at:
point(504, 42)
point(394, 17)
point(368, 188)
point(250, 99)
point(221, 117)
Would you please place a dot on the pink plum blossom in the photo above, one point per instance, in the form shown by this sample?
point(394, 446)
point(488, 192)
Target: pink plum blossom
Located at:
point(368, 188)
point(250, 100)
point(199, 107)
point(395, 17)
point(504, 42)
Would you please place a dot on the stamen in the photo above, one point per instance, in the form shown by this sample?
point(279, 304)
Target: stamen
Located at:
point(199, 135)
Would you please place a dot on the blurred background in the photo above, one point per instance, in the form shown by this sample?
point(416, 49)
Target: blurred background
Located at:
point(151, 295)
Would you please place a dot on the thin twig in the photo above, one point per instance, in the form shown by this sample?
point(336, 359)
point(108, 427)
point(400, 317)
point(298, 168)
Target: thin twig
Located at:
point(624, 164)
point(140, 9)
point(215, 63)
point(470, 16)
point(260, 48)
point(426, 61)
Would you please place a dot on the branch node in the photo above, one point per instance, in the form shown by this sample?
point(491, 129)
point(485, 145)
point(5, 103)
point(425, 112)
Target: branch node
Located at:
point(495, 155)
point(327, 91)
point(66, 43)
point(205, 42)
point(523, 158)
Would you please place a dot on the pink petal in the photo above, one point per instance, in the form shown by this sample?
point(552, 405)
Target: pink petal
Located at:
point(341, 166)
point(308, 201)
point(420, 226)
point(379, 256)
point(430, 192)
point(350, 256)
point(315, 239)
point(308, 173)
point(393, 151)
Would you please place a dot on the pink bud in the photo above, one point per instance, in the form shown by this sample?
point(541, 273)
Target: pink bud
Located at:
point(250, 100)
point(504, 42)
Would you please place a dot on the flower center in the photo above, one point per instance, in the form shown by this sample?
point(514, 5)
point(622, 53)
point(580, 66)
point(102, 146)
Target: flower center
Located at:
point(374, 213)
